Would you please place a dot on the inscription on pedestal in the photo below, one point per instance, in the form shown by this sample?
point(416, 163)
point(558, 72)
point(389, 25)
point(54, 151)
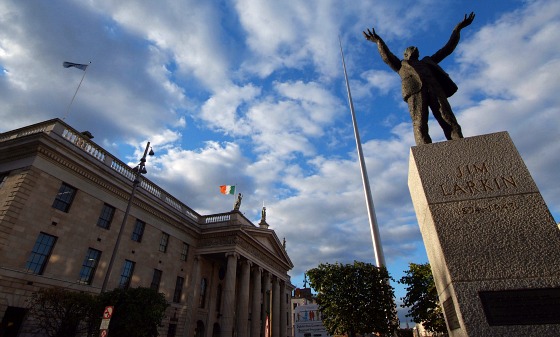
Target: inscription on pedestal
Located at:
point(485, 207)
point(476, 178)
point(521, 307)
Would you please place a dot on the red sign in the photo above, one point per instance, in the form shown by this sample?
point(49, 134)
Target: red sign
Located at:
point(108, 313)
point(103, 333)
point(267, 327)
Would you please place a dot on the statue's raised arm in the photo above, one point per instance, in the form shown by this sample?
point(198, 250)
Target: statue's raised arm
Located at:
point(386, 55)
point(466, 21)
point(371, 35)
point(453, 40)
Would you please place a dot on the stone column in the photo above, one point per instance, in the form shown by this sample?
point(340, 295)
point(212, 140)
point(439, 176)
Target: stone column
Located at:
point(283, 316)
point(275, 307)
point(290, 324)
point(266, 301)
point(243, 300)
point(256, 305)
point(211, 298)
point(228, 314)
point(190, 323)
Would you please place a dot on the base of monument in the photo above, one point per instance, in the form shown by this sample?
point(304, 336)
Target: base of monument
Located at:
point(491, 241)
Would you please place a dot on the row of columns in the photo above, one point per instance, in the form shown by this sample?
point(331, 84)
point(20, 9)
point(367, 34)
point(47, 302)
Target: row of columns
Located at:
point(235, 310)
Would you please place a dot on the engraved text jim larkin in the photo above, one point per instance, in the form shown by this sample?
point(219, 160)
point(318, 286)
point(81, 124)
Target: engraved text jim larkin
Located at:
point(478, 182)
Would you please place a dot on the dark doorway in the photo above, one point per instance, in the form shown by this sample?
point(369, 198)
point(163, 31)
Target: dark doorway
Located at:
point(11, 323)
point(216, 332)
point(199, 329)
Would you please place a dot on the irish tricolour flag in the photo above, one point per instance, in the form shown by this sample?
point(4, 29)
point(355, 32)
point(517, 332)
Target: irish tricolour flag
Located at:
point(227, 189)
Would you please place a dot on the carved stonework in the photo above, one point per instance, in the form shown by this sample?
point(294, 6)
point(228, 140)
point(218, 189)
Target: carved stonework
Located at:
point(223, 241)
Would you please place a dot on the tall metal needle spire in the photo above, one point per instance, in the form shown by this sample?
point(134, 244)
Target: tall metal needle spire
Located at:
point(379, 257)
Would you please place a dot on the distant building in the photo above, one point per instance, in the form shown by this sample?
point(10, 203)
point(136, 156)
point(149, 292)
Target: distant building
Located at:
point(301, 296)
point(62, 201)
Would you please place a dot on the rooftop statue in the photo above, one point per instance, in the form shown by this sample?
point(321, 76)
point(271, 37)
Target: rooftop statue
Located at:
point(425, 84)
point(237, 202)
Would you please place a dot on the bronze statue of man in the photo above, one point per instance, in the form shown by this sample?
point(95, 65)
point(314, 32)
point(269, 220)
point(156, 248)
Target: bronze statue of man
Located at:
point(425, 85)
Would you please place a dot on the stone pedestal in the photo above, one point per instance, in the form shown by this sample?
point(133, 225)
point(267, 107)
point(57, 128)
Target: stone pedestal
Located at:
point(492, 243)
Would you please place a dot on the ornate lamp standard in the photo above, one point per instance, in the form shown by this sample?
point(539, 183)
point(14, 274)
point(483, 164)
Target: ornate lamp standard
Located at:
point(138, 171)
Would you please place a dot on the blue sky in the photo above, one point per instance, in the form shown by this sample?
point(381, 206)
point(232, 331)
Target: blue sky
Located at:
point(252, 93)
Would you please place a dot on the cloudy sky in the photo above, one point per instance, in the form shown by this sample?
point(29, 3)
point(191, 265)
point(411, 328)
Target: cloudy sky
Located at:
point(252, 93)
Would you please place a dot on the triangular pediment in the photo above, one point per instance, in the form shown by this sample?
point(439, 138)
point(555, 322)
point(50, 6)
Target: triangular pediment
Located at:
point(255, 243)
point(267, 238)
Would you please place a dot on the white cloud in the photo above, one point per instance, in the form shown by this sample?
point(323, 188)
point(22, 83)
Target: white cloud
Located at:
point(222, 109)
point(377, 81)
point(290, 34)
point(193, 176)
point(183, 28)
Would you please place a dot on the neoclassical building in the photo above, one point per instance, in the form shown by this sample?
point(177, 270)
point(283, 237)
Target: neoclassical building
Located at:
point(67, 220)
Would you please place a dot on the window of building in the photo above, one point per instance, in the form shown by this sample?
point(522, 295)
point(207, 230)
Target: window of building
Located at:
point(163, 242)
point(89, 266)
point(178, 289)
point(64, 197)
point(185, 251)
point(156, 279)
point(3, 178)
point(138, 230)
point(126, 275)
point(41, 252)
point(106, 216)
point(172, 330)
point(202, 299)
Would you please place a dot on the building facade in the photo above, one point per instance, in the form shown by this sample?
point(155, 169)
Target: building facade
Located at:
point(300, 297)
point(63, 200)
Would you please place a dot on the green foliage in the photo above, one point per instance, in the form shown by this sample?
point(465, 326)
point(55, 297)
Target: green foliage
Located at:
point(57, 312)
point(138, 312)
point(354, 298)
point(61, 313)
point(422, 297)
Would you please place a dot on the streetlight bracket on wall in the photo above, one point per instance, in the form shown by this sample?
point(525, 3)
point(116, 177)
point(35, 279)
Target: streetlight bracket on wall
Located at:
point(138, 171)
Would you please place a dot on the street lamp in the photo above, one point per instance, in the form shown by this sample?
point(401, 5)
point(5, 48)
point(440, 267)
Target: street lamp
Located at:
point(138, 171)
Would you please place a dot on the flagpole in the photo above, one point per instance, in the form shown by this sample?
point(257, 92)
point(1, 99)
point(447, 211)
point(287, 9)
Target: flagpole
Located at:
point(378, 250)
point(75, 93)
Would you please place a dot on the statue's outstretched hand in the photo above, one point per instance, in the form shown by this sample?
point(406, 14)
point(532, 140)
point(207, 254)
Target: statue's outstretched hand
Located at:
point(466, 21)
point(371, 36)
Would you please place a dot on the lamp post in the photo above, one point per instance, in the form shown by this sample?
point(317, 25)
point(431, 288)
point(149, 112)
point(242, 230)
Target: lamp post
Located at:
point(138, 171)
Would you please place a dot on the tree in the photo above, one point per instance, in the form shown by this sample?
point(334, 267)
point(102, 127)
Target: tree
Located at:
point(354, 298)
point(58, 312)
point(422, 297)
point(138, 312)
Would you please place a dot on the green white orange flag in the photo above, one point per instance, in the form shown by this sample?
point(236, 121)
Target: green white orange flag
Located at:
point(227, 189)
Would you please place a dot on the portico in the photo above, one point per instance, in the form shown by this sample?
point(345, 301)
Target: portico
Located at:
point(245, 270)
